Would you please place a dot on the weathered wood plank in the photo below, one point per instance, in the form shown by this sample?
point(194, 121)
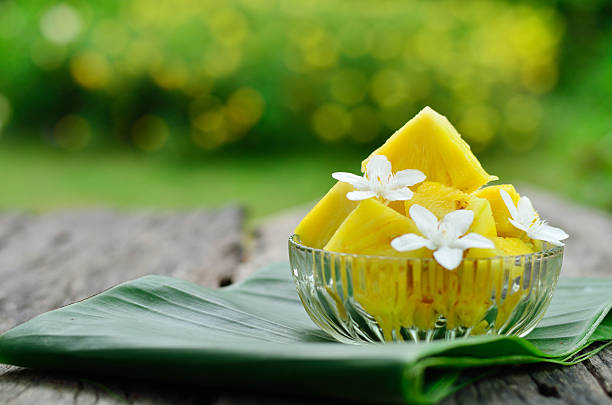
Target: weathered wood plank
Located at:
point(50, 260)
point(573, 385)
point(601, 368)
point(540, 385)
point(25, 387)
point(514, 387)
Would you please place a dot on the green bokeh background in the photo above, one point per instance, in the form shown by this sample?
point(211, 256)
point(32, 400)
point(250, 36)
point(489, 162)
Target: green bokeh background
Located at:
point(183, 103)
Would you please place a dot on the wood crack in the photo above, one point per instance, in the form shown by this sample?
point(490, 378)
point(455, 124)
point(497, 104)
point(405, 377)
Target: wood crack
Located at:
point(77, 392)
point(545, 389)
point(600, 367)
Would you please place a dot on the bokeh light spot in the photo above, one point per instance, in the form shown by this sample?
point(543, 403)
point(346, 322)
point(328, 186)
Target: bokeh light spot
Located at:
point(203, 103)
point(522, 118)
point(210, 129)
point(170, 76)
point(365, 124)
point(478, 124)
point(90, 69)
point(331, 122)
point(355, 41)
point(150, 133)
point(72, 132)
point(61, 24)
point(388, 45)
point(388, 88)
point(245, 106)
point(322, 55)
point(523, 114)
point(228, 27)
point(541, 78)
point(140, 55)
point(349, 86)
point(221, 61)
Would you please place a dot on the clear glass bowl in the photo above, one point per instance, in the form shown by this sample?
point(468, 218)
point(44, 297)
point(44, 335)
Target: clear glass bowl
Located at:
point(358, 298)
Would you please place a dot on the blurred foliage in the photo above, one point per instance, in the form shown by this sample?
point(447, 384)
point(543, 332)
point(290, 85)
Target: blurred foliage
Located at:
point(263, 72)
point(193, 76)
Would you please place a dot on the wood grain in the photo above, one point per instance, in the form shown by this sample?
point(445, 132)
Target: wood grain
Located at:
point(47, 261)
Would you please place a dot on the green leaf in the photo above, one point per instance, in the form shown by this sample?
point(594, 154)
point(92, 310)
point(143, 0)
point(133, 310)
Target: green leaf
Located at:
point(257, 334)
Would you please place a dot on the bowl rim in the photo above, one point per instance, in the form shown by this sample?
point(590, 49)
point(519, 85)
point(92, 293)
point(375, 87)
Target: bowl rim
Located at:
point(549, 251)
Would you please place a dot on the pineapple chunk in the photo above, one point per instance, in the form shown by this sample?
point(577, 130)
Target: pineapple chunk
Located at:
point(441, 200)
point(398, 206)
point(428, 142)
point(503, 247)
point(500, 211)
point(321, 222)
point(369, 229)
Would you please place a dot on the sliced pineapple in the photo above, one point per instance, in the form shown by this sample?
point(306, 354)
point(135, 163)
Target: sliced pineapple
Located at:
point(503, 247)
point(500, 211)
point(428, 142)
point(398, 206)
point(499, 289)
point(369, 230)
point(323, 220)
point(441, 200)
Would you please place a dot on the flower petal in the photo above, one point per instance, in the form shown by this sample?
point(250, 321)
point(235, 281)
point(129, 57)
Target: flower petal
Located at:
point(356, 181)
point(518, 225)
point(360, 195)
point(398, 195)
point(424, 220)
point(379, 167)
point(408, 177)
point(448, 258)
point(526, 212)
point(458, 221)
point(509, 204)
point(549, 234)
point(473, 240)
point(409, 241)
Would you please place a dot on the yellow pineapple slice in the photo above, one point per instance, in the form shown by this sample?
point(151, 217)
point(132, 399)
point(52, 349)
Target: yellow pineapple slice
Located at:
point(472, 305)
point(441, 200)
point(503, 247)
point(500, 211)
point(398, 206)
point(369, 230)
point(323, 220)
point(429, 143)
point(381, 286)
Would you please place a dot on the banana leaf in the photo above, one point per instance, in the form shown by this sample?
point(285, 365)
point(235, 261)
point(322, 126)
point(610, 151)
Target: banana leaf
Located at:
point(256, 335)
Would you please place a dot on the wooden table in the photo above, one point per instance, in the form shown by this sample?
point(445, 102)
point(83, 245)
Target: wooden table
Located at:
point(51, 260)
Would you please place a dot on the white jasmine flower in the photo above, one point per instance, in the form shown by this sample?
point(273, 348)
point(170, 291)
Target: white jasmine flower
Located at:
point(525, 218)
point(379, 181)
point(443, 237)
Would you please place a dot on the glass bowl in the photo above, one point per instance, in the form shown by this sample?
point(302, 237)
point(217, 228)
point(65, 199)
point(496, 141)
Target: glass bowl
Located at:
point(358, 298)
